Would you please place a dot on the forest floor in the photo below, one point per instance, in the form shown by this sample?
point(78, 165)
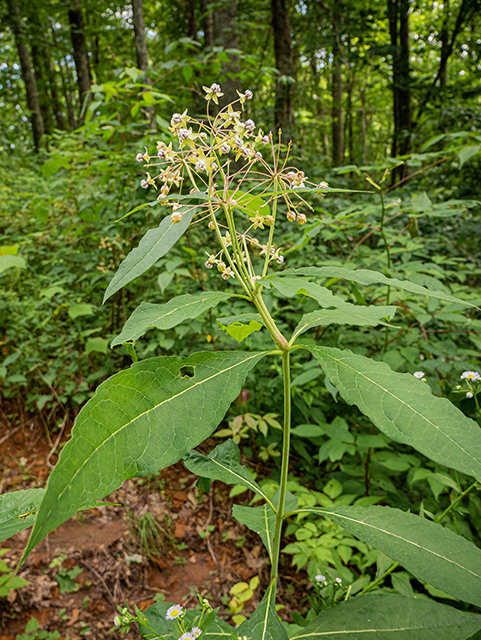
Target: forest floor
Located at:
point(150, 547)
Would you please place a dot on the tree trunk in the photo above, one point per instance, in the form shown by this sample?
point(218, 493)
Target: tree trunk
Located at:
point(28, 74)
point(398, 12)
point(336, 114)
point(39, 62)
point(283, 109)
point(207, 23)
point(52, 84)
point(444, 36)
point(191, 19)
point(80, 55)
point(226, 36)
point(139, 30)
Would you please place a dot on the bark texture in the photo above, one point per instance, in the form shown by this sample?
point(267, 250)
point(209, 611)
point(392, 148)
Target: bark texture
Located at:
point(398, 12)
point(80, 54)
point(226, 35)
point(28, 75)
point(139, 30)
point(281, 27)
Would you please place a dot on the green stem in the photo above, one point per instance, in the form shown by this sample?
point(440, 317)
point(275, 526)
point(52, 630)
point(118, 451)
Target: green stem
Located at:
point(388, 258)
point(276, 335)
point(271, 231)
point(381, 578)
point(454, 503)
point(285, 464)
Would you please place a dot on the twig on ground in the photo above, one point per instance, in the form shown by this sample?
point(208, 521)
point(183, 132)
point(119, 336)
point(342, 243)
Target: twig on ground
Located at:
point(10, 433)
point(104, 584)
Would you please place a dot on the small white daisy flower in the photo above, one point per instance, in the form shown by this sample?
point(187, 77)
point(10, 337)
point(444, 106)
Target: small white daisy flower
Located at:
point(338, 580)
point(473, 376)
point(196, 632)
point(187, 636)
point(419, 375)
point(174, 612)
point(320, 577)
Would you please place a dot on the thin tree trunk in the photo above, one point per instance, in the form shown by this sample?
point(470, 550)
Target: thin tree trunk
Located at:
point(336, 114)
point(52, 84)
point(139, 30)
point(28, 74)
point(80, 55)
point(226, 36)
point(393, 33)
point(191, 19)
point(444, 36)
point(283, 109)
point(364, 127)
point(207, 23)
point(404, 80)
point(38, 62)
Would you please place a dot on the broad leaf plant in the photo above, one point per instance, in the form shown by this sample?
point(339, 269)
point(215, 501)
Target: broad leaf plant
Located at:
point(155, 413)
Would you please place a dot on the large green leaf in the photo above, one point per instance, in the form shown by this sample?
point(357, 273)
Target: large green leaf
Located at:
point(218, 629)
point(223, 463)
point(262, 519)
point(153, 246)
point(347, 314)
point(429, 551)
point(264, 623)
point(168, 315)
point(17, 511)
point(139, 421)
point(390, 617)
point(405, 409)
point(7, 261)
point(367, 277)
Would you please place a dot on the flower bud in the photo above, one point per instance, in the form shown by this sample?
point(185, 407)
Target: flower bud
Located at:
point(323, 185)
point(211, 225)
point(280, 259)
point(200, 165)
point(208, 264)
point(269, 220)
point(291, 216)
point(221, 266)
point(117, 621)
point(301, 218)
point(176, 217)
point(248, 94)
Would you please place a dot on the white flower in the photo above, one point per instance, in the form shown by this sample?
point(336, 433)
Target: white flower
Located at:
point(248, 94)
point(265, 139)
point(187, 636)
point(320, 578)
point(250, 125)
point(215, 88)
point(196, 632)
point(117, 621)
point(419, 375)
point(469, 394)
point(238, 142)
point(176, 119)
point(139, 157)
point(473, 376)
point(144, 184)
point(184, 134)
point(174, 612)
point(338, 580)
point(200, 165)
point(280, 259)
point(161, 154)
point(225, 148)
point(323, 185)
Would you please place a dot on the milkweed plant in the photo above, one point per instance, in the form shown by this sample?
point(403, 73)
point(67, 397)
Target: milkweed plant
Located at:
point(223, 172)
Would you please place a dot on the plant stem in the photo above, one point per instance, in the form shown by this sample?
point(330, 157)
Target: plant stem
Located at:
point(276, 335)
point(388, 258)
point(285, 464)
point(454, 503)
point(271, 231)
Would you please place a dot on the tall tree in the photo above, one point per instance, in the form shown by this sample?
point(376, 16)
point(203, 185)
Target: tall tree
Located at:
point(283, 108)
point(80, 54)
point(398, 13)
point(140, 41)
point(207, 23)
point(226, 35)
point(28, 74)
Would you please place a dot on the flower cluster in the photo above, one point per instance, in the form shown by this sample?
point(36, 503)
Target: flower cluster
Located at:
point(472, 379)
point(228, 175)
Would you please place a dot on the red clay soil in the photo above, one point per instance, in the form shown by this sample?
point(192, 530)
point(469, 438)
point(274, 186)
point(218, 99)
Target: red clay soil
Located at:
point(118, 559)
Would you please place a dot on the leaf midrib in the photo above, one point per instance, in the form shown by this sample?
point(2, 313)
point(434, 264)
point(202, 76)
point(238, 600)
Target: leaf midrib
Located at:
point(112, 435)
point(415, 411)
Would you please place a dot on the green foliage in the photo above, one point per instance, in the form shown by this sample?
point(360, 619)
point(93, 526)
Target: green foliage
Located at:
point(9, 580)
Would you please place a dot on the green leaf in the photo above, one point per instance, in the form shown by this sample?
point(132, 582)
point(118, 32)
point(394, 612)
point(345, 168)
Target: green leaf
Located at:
point(367, 277)
point(223, 463)
point(236, 327)
point(153, 246)
point(428, 550)
point(140, 421)
point(262, 520)
point(168, 315)
point(467, 153)
point(264, 623)
point(405, 409)
point(7, 261)
point(80, 309)
point(17, 511)
point(217, 629)
point(390, 617)
point(96, 344)
point(349, 314)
